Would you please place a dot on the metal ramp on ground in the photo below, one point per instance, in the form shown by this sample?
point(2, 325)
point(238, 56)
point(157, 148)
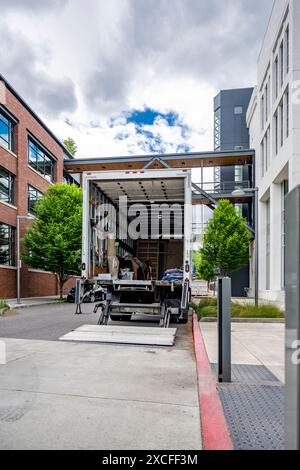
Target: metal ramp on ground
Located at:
point(145, 336)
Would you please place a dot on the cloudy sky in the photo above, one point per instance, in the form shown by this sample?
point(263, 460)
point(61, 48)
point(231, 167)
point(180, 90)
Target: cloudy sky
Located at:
point(130, 76)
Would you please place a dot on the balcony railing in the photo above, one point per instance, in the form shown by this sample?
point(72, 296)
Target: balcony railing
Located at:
point(226, 187)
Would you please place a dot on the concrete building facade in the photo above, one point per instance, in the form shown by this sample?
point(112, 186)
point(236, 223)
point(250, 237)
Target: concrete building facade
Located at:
point(273, 119)
point(31, 158)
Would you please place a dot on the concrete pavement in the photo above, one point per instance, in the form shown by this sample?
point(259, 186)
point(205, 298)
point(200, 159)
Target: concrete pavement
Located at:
point(252, 344)
point(56, 395)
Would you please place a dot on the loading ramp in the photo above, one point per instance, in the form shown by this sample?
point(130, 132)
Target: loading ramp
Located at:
point(134, 335)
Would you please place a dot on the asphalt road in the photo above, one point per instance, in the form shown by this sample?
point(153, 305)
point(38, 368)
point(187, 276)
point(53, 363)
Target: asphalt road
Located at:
point(48, 322)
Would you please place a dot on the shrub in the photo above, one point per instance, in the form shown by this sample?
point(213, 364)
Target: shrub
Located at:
point(208, 308)
point(3, 304)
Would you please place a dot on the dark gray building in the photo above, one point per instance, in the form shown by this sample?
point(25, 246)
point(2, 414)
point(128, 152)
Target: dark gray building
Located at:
point(231, 133)
point(230, 108)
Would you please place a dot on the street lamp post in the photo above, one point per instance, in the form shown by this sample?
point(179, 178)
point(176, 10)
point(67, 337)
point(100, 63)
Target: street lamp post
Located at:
point(20, 217)
point(243, 192)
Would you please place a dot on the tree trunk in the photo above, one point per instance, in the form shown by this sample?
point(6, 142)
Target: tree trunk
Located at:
point(61, 282)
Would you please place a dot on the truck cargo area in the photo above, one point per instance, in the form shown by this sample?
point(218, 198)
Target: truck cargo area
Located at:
point(136, 242)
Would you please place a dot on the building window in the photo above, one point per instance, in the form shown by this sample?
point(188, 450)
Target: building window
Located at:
point(281, 123)
point(268, 245)
point(287, 42)
point(238, 110)
point(7, 245)
point(262, 152)
point(41, 161)
point(268, 148)
point(287, 112)
point(239, 209)
point(267, 102)
point(238, 173)
point(276, 77)
point(284, 192)
point(33, 196)
point(281, 54)
point(263, 111)
point(276, 133)
point(7, 186)
point(6, 132)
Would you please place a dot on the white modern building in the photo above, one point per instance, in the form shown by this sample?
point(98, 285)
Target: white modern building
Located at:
point(273, 119)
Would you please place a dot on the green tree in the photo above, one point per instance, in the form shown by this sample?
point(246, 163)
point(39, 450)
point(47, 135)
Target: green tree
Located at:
point(197, 262)
point(53, 243)
point(206, 269)
point(226, 241)
point(71, 146)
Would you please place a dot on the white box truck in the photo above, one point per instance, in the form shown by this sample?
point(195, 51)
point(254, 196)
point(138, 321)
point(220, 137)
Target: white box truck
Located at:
point(137, 241)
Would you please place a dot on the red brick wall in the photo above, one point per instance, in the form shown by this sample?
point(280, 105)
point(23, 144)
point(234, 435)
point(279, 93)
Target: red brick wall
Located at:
point(8, 280)
point(32, 283)
point(42, 284)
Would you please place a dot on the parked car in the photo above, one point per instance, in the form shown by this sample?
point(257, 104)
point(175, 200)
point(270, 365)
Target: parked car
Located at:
point(91, 295)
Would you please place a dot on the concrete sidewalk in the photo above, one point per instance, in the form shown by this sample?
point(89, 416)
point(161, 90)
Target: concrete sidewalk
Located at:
point(56, 395)
point(252, 344)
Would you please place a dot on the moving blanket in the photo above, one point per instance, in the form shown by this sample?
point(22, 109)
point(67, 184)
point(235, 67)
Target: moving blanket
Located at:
point(173, 275)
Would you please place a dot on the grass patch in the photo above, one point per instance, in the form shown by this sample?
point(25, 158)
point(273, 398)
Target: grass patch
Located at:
point(208, 308)
point(3, 304)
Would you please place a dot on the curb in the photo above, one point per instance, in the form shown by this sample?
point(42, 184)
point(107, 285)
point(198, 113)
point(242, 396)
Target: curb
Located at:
point(38, 304)
point(215, 433)
point(246, 320)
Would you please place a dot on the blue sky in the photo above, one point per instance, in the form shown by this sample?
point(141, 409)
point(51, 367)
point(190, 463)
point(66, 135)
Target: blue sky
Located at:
point(148, 117)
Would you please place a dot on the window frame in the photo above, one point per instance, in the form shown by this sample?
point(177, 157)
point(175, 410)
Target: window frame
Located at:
point(287, 47)
point(11, 123)
point(238, 110)
point(30, 189)
point(11, 239)
point(11, 186)
point(42, 158)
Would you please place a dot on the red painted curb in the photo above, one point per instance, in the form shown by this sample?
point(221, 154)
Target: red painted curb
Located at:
point(215, 433)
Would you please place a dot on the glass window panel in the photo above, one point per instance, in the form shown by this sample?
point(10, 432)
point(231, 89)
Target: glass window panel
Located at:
point(7, 186)
point(7, 245)
point(33, 196)
point(4, 133)
point(39, 160)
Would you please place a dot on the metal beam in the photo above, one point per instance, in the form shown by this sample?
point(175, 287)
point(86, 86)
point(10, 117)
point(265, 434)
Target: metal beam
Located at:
point(156, 159)
point(205, 195)
point(179, 160)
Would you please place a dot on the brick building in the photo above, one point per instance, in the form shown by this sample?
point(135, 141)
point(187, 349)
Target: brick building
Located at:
point(31, 158)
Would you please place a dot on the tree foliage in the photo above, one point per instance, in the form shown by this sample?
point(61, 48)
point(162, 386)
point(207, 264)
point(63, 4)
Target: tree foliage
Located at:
point(226, 241)
point(70, 145)
point(53, 243)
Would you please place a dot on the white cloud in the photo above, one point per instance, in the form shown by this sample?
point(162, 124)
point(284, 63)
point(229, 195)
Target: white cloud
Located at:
point(89, 62)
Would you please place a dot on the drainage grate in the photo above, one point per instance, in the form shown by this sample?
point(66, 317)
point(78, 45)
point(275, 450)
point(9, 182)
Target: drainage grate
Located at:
point(254, 407)
point(249, 374)
point(255, 415)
